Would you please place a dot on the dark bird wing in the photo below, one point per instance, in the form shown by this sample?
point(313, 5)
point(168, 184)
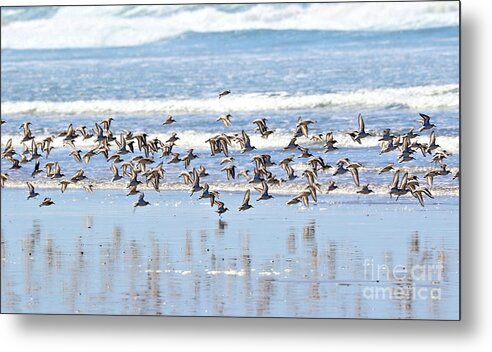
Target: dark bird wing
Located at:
point(396, 179)
point(432, 138)
point(246, 197)
point(361, 123)
point(355, 176)
point(425, 118)
point(404, 181)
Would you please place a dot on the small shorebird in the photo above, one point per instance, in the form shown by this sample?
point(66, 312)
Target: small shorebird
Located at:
point(206, 194)
point(57, 171)
point(107, 122)
point(292, 144)
point(405, 158)
point(175, 159)
point(27, 134)
point(225, 119)
point(262, 127)
point(361, 133)
point(410, 134)
point(301, 197)
point(32, 193)
point(85, 132)
point(15, 163)
point(257, 177)
point(141, 202)
point(202, 171)
point(329, 143)
point(220, 208)
point(387, 168)
point(331, 187)
point(230, 171)
point(286, 161)
point(169, 120)
point(245, 205)
point(263, 191)
point(290, 172)
point(116, 174)
point(188, 158)
point(34, 151)
point(76, 155)
point(304, 152)
point(398, 188)
point(133, 179)
point(224, 93)
point(443, 171)
point(440, 156)
point(245, 143)
point(78, 176)
point(174, 138)
point(229, 159)
point(365, 190)
point(46, 202)
point(419, 194)
point(386, 136)
point(36, 169)
point(425, 121)
point(244, 173)
point(187, 177)
point(345, 165)
point(317, 163)
point(195, 178)
point(432, 143)
point(302, 127)
point(133, 190)
point(318, 138)
point(64, 184)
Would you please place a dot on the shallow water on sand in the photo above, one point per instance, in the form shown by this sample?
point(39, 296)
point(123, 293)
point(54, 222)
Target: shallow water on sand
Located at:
point(347, 257)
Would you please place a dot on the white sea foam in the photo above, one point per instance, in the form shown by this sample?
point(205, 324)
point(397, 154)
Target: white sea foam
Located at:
point(229, 272)
point(287, 189)
point(84, 27)
point(419, 97)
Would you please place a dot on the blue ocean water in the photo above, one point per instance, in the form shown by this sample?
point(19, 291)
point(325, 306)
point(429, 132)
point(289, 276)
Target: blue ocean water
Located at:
point(197, 65)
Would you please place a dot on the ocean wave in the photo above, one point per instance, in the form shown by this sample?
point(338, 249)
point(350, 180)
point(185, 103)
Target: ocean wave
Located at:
point(112, 26)
point(417, 97)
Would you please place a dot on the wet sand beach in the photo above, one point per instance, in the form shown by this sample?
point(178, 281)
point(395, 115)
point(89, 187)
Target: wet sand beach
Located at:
point(94, 254)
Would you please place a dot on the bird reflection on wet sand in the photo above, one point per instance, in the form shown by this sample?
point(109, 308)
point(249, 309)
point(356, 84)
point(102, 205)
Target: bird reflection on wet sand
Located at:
point(299, 269)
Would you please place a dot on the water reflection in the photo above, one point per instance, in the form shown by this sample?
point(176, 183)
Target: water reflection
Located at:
point(222, 270)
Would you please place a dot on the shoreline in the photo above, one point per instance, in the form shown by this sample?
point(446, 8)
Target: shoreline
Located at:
point(287, 190)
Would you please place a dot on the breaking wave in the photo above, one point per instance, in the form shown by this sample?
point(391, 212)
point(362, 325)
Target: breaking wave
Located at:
point(111, 26)
point(418, 97)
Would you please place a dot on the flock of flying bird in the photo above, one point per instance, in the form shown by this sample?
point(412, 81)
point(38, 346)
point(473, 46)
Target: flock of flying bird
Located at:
point(114, 149)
